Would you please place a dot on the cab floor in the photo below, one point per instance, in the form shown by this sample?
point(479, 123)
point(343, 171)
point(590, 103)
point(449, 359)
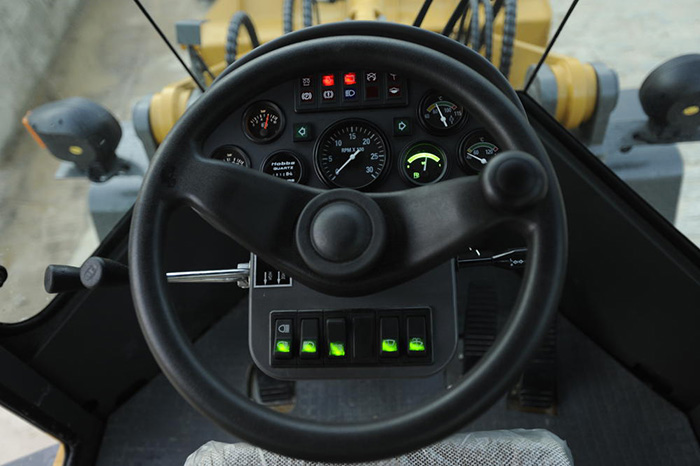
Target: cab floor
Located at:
point(606, 415)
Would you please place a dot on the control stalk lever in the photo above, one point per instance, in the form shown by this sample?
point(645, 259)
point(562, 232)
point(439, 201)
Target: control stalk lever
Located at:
point(99, 272)
point(510, 259)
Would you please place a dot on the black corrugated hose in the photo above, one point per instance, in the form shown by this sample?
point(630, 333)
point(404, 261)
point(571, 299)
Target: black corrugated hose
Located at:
point(239, 18)
point(511, 13)
point(288, 14)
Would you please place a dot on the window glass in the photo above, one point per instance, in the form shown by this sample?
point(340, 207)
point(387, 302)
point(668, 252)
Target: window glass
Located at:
point(622, 76)
point(107, 53)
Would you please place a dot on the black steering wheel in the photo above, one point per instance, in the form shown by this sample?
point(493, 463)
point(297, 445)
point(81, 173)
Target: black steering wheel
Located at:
point(278, 221)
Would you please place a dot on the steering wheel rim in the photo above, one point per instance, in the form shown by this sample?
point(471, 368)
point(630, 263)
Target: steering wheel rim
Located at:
point(168, 184)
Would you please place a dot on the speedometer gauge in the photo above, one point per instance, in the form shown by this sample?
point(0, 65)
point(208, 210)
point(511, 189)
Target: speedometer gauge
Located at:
point(351, 154)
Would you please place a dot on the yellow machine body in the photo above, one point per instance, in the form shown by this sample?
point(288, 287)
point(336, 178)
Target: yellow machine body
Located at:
point(576, 81)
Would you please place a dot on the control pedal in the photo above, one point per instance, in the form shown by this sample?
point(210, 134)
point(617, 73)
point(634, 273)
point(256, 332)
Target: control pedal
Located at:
point(279, 395)
point(536, 390)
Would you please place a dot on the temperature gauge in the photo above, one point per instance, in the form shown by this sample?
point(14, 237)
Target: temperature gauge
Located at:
point(263, 122)
point(476, 150)
point(424, 163)
point(439, 114)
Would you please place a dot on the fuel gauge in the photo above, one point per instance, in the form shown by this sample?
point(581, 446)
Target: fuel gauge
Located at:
point(476, 151)
point(424, 163)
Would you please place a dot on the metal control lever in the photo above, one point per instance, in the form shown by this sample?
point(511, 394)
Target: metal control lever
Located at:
point(510, 259)
point(97, 272)
point(241, 275)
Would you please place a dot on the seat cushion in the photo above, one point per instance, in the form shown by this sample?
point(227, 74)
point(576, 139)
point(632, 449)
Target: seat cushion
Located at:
point(517, 447)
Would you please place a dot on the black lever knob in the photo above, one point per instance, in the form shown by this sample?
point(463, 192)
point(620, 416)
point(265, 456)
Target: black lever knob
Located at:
point(97, 272)
point(514, 181)
point(62, 278)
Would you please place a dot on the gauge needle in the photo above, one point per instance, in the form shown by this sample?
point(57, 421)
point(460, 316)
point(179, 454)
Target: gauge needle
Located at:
point(350, 159)
point(483, 161)
point(425, 163)
point(266, 120)
point(442, 117)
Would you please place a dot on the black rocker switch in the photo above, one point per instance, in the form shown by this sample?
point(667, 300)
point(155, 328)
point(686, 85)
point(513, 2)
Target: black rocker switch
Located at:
point(308, 340)
point(336, 338)
point(389, 336)
point(282, 348)
point(417, 344)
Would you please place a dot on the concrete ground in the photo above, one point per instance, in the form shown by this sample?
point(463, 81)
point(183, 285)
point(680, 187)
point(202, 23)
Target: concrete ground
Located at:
point(112, 56)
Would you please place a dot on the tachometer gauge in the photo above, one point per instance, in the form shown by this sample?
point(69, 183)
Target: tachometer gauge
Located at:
point(439, 114)
point(423, 163)
point(476, 150)
point(351, 154)
point(231, 154)
point(263, 122)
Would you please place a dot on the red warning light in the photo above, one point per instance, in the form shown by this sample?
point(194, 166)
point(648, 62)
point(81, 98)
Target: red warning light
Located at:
point(350, 79)
point(328, 80)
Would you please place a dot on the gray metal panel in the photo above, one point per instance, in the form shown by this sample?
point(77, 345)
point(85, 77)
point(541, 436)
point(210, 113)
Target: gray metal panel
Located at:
point(434, 289)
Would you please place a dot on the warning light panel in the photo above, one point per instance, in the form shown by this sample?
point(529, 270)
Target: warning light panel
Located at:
point(328, 80)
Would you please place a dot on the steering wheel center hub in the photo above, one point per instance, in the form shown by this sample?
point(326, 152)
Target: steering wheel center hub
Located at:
point(341, 233)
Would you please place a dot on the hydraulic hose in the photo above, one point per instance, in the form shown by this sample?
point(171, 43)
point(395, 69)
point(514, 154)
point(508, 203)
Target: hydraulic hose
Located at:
point(239, 18)
point(488, 28)
point(474, 38)
point(509, 26)
point(288, 14)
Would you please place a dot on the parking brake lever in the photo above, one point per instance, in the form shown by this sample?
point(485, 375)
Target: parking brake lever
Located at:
point(97, 272)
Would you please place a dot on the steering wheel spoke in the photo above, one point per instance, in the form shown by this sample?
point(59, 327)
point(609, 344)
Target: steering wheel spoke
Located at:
point(257, 210)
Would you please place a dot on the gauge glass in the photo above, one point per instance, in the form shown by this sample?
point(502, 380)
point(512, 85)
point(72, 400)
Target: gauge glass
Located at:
point(351, 154)
point(476, 150)
point(440, 114)
point(263, 122)
point(424, 163)
point(231, 154)
point(285, 165)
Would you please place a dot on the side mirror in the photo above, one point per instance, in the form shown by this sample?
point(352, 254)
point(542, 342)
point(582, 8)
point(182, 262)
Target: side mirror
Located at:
point(80, 131)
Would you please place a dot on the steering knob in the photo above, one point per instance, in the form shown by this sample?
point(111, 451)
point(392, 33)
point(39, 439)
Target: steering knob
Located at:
point(514, 181)
point(341, 233)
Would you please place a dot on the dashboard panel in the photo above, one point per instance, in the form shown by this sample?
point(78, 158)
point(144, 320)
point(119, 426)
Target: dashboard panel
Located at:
point(373, 131)
point(368, 130)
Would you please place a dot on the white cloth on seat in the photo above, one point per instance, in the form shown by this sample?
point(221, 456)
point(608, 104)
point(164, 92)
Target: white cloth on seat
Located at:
point(517, 447)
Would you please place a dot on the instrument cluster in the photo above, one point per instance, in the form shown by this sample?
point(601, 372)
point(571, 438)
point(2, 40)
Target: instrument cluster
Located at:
point(359, 129)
